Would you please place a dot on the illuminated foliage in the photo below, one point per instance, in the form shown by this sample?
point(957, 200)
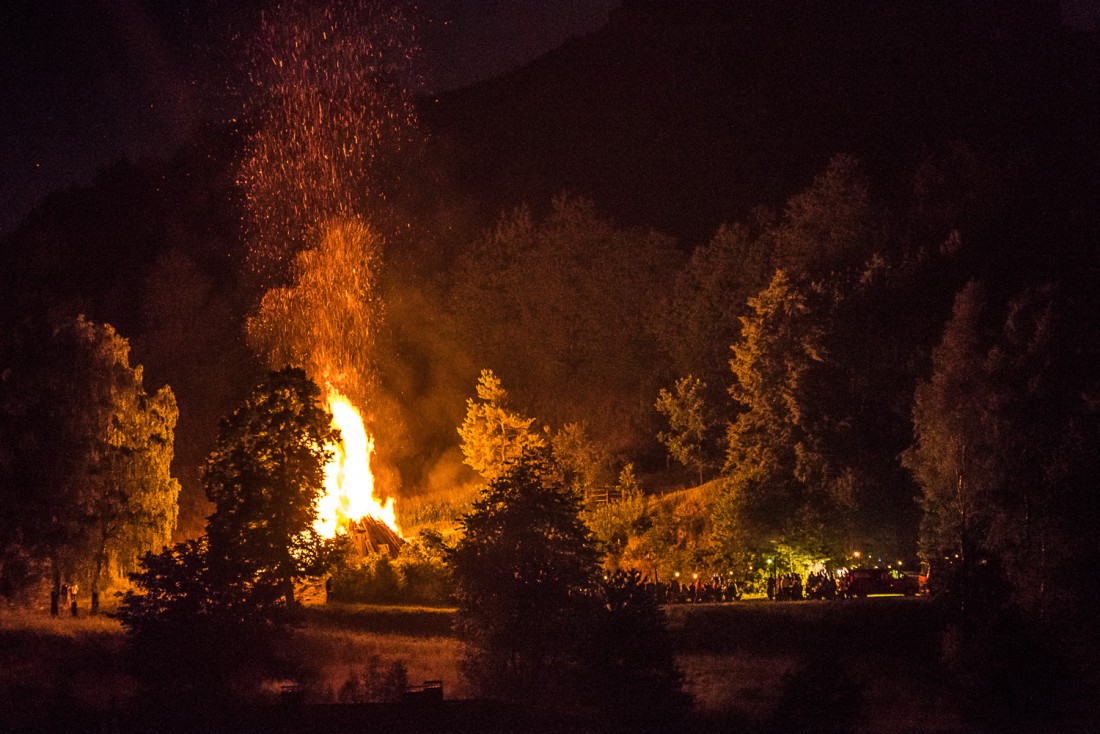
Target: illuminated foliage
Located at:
point(688, 422)
point(136, 500)
point(825, 230)
point(620, 527)
point(584, 466)
point(767, 442)
point(561, 309)
point(821, 372)
point(85, 478)
point(777, 482)
point(493, 435)
point(331, 105)
point(701, 318)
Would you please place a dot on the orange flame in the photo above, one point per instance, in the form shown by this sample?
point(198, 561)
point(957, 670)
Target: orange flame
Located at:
point(349, 483)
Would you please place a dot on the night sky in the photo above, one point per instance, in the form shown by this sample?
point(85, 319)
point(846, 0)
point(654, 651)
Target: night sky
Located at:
point(88, 82)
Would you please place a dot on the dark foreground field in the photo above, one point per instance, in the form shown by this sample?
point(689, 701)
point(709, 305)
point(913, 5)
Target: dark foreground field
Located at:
point(872, 665)
point(864, 665)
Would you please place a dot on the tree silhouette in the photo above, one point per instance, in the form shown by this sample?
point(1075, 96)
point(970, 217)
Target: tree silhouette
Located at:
point(541, 623)
point(206, 615)
point(193, 633)
point(264, 477)
point(1002, 428)
point(565, 303)
point(632, 668)
point(524, 573)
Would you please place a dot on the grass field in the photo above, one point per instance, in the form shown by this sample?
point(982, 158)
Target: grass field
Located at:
point(873, 662)
point(338, 638)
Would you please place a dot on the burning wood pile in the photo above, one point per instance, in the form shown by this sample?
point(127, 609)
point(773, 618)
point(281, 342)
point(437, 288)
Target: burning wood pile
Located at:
point(369, 536)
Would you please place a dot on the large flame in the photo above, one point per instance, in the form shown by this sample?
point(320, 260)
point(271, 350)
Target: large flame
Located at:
point(349, 484)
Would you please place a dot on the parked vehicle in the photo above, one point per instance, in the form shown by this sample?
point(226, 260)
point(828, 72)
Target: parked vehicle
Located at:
point(861, 582)
point(922, 577)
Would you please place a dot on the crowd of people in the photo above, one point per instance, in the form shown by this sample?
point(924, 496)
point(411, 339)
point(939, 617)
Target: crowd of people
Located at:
point(818, 585)
point(696, 590)
point(780, 587)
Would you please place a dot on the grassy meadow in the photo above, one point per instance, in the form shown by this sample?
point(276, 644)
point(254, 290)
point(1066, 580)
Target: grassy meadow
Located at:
point(336, 641)
point(872, 664)
point(868, 665)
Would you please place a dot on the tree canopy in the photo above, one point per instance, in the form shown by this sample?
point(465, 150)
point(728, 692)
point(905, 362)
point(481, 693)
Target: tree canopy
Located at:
point(771, 454)
point(688, 437)
point(541, 623)
point(205, 614)
point(524, 571)
point(85, 475)
point(561, 308)
point(493, 435)
point(1002, 429)
point(264, 478)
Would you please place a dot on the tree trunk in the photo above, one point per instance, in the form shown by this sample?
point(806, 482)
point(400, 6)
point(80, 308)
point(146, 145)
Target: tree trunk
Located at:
point(100, 562)
point(288, 591)
point(55, 593)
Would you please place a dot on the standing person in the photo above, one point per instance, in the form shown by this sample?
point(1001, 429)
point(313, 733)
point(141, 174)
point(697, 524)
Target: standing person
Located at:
point(72, 596)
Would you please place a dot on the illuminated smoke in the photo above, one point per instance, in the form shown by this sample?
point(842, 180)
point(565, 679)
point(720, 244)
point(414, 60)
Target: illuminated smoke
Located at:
point(326, 320)
point(327, 317)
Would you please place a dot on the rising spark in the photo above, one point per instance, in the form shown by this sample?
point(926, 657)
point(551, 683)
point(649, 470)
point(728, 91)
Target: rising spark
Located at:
point(331, 102)
point(326, 318)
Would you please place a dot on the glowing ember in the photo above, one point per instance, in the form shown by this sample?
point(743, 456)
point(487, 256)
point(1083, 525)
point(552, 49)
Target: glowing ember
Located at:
point(349, 484)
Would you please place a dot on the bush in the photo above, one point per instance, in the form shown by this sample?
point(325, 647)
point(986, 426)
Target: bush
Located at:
point(417, 575)
point(632, 670)
point(193, 637)
point(1013, 673)
point(375, 683)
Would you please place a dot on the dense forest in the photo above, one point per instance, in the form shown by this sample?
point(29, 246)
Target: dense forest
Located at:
point(839, 264)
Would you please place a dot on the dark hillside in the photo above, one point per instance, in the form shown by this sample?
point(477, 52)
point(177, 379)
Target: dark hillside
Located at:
point(681, 115)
